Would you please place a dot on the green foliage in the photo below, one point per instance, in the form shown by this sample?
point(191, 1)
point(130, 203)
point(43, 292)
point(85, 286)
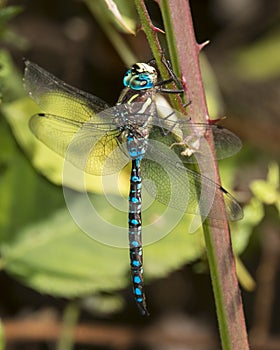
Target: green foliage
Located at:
point(40, 243)
point(261, 60)
point(6, 14)
point(267, 192)
point(56, 257)
point(25, 196)
point(120, 13)
point(10, 80)
point(7, 35)
point(19, 204)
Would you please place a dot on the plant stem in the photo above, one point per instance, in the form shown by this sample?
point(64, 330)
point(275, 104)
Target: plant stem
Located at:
point(151, 34)
point(217, 235)
point(70, 318)
point(181, 40)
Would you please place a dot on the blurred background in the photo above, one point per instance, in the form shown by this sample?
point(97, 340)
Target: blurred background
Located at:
point(53, 277)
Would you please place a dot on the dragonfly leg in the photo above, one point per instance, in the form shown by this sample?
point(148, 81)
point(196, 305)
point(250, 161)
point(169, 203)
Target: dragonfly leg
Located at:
point(190, 144)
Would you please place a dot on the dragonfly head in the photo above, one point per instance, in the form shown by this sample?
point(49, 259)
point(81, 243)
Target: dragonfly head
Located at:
point(140, 76)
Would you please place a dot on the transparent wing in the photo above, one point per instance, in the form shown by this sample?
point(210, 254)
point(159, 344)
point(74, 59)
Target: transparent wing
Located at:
point(58, 98)
point(76, 125)
point(85, 145)
point(226, 142)
point(171, 183)
point(187, 138)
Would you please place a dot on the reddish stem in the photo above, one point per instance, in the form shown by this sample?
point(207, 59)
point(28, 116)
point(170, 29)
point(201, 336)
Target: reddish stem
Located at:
point(217, 234)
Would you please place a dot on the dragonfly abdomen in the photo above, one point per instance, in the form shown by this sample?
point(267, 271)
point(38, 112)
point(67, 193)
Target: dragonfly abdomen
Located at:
point(135, 235)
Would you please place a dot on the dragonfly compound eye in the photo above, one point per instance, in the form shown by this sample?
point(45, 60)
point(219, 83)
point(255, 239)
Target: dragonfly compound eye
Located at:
point(140, 76)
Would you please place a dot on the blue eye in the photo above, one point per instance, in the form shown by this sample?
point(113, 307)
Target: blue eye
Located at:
point(127, 78)
point(138, 81)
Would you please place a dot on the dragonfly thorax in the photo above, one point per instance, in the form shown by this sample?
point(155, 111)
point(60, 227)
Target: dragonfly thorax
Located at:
point(135, 114)
point(136, 143)
point(134, 139)
point(140, 76)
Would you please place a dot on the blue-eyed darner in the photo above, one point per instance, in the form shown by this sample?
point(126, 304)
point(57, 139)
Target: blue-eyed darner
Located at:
point(133, 130)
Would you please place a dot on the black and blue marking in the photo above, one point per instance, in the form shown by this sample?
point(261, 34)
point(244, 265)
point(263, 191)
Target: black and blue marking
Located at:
point(135, 236)
point(136, 149)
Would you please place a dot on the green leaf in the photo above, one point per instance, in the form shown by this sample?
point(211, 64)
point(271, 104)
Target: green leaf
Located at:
point(45, 160)
point(25, 196)
point(244, 277)
point(261, 60)
point(265, 192)
point(55, 257)
point(7, 13)
point(273, 175)
point(120, 13)
point(268, 191)
point(124, 14)
point(253, 214)
point(10, 80)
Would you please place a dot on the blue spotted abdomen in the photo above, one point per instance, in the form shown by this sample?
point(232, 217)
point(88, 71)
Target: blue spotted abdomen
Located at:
point(135, 235)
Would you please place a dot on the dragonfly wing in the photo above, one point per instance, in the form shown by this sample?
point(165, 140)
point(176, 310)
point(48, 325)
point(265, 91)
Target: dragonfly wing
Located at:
point(226, 142)
point(188, 138)
point(78, 126)
point(87, 146)
point(171, 183)
point(56, 97)
point(193, 137)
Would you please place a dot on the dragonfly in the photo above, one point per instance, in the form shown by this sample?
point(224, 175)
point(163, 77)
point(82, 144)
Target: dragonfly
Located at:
point(157, 146)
